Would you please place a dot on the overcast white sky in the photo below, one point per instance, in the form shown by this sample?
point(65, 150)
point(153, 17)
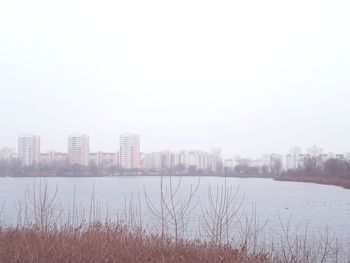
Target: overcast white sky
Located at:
point(251, 77)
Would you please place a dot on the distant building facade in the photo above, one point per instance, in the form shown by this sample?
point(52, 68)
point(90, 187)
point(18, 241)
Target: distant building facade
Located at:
point(29, 150)
point(7, 154)
point(129, 151)
point(53, 158)
point(292, 159)
point(314, 157)
point(186, 159)
point(78, 149)
point(273, 162)
point(102, 159)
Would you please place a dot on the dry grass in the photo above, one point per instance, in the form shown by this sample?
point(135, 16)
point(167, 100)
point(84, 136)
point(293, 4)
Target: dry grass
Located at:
point(109, 243)
point(342, 182)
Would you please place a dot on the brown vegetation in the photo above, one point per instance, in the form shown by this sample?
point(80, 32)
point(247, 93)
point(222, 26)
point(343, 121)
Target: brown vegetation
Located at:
point(343, 182)
point(109, 243)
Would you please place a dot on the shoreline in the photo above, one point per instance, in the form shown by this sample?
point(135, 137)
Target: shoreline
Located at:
point(341, 182)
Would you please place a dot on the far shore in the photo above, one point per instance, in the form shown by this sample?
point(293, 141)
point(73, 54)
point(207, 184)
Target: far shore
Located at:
point(345, 183)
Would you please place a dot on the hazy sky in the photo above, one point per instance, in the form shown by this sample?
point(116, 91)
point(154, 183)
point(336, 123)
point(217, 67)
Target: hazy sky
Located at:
point(251, 77)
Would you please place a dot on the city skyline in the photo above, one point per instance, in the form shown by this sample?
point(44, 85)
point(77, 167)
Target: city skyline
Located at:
point(130, 155)
point(107, 144)
point(64, 148)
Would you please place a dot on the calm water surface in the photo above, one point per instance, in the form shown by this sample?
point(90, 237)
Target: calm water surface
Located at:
point(320, 206)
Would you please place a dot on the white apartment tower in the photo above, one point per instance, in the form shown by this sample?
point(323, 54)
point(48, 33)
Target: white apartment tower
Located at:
point(292, 159)
point(29, 149)
point(78, 149)
point(315, 151)
point(216, 160)
point(129, 151)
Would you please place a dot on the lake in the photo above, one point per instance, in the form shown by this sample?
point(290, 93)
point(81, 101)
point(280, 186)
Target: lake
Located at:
point(321, 207)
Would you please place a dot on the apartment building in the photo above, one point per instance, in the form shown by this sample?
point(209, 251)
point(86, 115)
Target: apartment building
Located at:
point(29, 149)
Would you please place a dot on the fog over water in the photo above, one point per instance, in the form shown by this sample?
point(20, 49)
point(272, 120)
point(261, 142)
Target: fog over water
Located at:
point(251, 77)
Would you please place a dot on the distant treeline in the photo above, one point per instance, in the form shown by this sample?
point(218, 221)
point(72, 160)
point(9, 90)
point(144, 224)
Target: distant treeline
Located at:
point(314, 167)
point(13, 167)
point(311, 167)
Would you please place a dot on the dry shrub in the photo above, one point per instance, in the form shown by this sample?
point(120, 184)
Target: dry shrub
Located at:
point(109, 243)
